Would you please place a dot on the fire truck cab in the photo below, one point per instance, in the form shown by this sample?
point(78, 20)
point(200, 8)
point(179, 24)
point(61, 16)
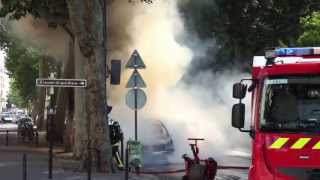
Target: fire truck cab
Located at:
point(285, 114)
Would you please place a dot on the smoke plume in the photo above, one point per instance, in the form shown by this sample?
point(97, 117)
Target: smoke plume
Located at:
point(200, 108)
point(36, 33)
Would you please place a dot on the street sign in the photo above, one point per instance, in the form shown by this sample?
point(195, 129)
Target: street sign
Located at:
point(136, 99)
point(61, 82)
point(136, 81)
point(135, 153)
point(135, 61)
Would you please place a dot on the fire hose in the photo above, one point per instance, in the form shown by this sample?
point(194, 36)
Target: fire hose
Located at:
point(183, 170)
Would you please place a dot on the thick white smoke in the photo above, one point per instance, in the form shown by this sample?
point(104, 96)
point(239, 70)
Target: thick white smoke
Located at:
point(202, 109)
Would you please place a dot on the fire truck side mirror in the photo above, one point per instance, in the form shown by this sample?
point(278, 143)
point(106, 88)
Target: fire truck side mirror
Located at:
point(239, 90)
point(238, 115)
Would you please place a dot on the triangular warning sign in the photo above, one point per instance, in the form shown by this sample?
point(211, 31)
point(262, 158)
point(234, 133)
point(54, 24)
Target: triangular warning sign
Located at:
point(136, 81)
point(135, 61)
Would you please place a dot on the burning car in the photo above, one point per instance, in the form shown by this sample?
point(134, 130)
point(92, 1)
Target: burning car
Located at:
point(158, 144)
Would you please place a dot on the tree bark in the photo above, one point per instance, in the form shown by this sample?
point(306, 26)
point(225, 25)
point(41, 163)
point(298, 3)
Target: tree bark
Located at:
point(61, 116)
point(87, 23)
point(69, 130)
point(38, 115)
point(80, 120)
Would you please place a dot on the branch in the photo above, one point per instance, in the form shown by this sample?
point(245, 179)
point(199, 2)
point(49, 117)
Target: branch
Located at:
point(68, 30)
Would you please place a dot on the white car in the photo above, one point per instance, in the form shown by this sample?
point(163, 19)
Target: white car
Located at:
point(7, 119)
point(157, 147)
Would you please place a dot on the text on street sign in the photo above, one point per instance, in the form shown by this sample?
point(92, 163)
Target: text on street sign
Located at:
point(61, 82)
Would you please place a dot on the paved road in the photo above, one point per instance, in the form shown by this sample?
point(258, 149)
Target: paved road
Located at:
point(11, 164)
point(221, 174)
point(11, 167)
point(9, 126)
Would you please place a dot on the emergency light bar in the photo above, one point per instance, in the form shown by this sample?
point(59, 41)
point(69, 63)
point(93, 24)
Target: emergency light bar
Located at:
point(283, 52)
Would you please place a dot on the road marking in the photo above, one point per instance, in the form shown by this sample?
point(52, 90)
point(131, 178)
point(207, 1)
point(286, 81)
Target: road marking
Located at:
point(58, 171)
point(75, 178)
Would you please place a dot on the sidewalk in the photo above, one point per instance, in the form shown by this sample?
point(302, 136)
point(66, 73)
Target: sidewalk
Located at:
point(64, 167)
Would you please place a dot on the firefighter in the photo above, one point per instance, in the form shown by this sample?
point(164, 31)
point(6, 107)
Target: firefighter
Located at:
point(116, 136)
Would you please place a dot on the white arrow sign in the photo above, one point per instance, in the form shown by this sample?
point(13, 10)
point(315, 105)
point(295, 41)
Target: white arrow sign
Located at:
point(135, 61)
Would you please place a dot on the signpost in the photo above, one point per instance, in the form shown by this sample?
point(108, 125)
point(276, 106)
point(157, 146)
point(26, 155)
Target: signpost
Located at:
point(61, 82)
point(52, 83)
point(136, 97)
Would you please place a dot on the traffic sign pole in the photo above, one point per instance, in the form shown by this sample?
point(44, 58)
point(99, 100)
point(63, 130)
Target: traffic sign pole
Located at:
point(135, 116)
point(136, 97)
point(50, 121)
point(135, 110)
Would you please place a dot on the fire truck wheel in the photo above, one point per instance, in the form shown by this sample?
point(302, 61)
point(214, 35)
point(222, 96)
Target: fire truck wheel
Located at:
point(197, 172)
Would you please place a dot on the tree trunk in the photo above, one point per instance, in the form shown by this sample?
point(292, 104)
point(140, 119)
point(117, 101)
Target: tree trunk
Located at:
point(80, 120)
point(38, 114)
point(69, 130)
point(67, 73)
point(87, 23)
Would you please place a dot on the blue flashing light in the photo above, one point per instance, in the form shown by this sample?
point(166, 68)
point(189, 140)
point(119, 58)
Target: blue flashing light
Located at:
point(295, 51)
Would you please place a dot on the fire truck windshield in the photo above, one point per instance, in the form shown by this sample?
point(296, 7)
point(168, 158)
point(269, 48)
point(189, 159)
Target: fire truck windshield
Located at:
point(291, 104)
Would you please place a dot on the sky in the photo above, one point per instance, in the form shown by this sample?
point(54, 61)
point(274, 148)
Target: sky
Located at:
point(4, 80)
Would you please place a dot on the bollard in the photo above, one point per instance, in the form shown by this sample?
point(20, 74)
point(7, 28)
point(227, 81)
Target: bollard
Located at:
point(50, 151)
point(126, 174)
point(89, 163)
point(37, 139)
point(24, 167)
point(7, 137)
point(99, 169)
point(122, 149)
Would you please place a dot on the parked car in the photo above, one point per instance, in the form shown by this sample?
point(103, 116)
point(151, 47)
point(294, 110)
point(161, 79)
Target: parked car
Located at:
point(7, 118)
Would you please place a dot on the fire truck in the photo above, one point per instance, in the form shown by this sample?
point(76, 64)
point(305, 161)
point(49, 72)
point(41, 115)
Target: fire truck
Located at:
point(285, 114)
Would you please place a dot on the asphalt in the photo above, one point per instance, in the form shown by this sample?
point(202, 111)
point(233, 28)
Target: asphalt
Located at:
point(67, 169)
point(64, 168)
point(11, 168)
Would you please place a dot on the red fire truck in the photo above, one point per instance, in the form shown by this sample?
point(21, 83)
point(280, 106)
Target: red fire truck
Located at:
point(285, 114)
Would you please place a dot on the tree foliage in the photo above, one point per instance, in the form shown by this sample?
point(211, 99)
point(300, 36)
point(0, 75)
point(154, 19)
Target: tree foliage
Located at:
point(14, 96)
point(53, 11)
point(311, 28)
point(244, 28)
point(22, 65)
